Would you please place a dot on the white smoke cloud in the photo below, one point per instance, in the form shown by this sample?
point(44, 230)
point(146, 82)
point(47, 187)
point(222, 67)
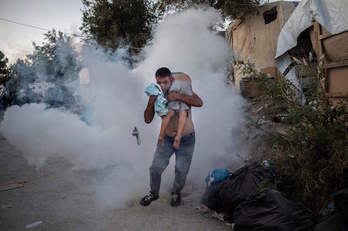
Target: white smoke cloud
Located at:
point(115, 100)
point(185, 43)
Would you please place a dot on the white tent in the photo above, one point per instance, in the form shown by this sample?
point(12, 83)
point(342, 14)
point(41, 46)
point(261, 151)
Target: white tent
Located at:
point(331, 14)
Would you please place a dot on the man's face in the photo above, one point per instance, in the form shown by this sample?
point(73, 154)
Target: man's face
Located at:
point(164, 82)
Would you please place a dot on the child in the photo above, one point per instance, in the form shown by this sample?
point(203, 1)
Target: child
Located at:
point(166, 110)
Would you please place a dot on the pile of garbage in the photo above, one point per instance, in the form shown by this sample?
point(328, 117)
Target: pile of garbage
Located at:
point(249, 199)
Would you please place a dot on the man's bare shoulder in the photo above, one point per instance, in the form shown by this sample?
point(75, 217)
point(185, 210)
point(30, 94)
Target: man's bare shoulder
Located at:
point(181, 76)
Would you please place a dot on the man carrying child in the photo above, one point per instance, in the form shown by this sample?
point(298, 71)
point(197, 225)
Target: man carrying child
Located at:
point(177, 131)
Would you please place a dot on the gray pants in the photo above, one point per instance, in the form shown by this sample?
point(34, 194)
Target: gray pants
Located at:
point(183, 157)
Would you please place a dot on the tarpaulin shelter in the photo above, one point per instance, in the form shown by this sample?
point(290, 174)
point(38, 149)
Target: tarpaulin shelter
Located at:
point(329, 40)
point(254, 37)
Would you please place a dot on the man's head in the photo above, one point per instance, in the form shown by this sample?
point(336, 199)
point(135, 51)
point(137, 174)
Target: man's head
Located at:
point(164, 78)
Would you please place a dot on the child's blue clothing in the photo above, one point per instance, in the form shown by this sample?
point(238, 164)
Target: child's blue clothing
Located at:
point(161, 107)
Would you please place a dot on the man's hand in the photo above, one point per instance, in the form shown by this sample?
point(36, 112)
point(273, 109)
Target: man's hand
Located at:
point(193, 100)
point(160, 140)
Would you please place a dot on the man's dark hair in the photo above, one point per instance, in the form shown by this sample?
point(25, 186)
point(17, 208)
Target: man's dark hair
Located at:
point(163, 72)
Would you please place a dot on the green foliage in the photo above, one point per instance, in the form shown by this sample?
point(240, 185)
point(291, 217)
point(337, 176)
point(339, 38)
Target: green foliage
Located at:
point(47, 75)
point(313, 150)
point(232, 8)
point(113, 23)
point(4, 69)
point(237, 8)
point(118, 22)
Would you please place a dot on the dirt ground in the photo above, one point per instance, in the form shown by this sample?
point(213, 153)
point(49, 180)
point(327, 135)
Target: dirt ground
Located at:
point(54, 196)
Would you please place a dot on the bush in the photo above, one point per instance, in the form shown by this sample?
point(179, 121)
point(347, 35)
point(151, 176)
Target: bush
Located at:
point(311, 152)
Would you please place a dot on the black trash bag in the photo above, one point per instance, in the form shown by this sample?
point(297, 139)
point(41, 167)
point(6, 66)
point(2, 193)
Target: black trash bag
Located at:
point(271, 211)
point(242, 184)
point(339, 220)
point(211, 197)
point(333, 223)
point(341, 204)
point(345, 177)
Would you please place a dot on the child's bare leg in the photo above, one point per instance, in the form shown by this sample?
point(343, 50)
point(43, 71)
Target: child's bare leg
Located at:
point(181, 124)
point(164, 124)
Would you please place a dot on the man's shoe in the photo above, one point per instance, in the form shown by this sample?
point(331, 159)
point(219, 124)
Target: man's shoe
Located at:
point(147, 199)
point(176, 199)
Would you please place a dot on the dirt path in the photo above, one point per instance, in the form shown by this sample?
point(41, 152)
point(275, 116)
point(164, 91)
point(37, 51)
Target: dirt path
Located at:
point(52, 196)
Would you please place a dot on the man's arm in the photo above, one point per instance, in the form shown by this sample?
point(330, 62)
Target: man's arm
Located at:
point(194, 100)
point(149, 112)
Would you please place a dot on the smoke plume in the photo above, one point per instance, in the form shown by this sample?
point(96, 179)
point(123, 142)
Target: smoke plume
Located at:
point(114, 101)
